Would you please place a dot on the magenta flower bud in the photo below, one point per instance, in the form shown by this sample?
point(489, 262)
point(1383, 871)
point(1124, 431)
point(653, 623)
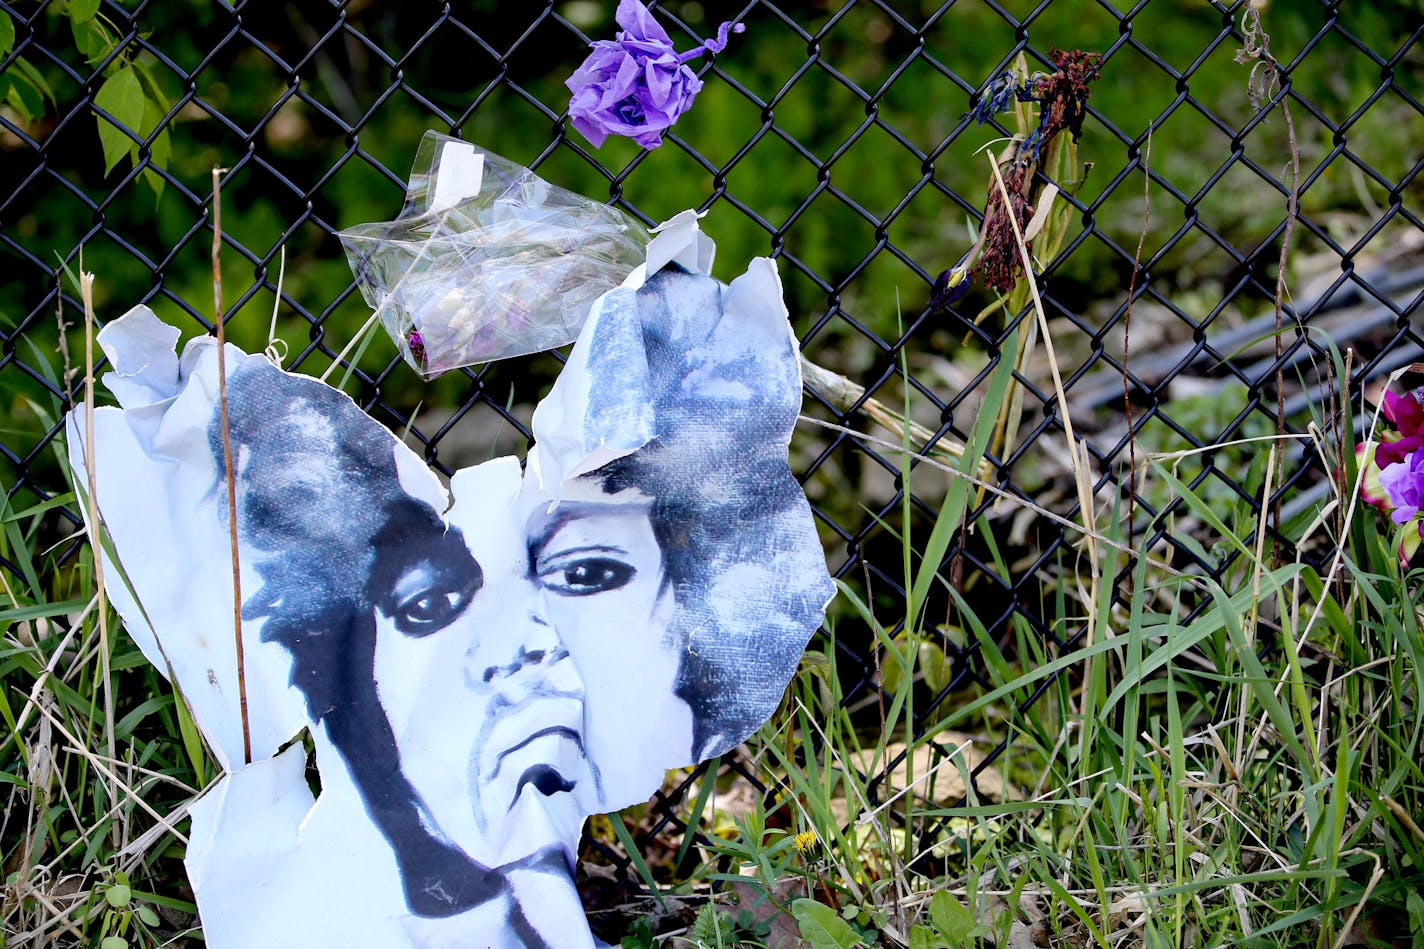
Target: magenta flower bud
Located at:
point(1408, 416)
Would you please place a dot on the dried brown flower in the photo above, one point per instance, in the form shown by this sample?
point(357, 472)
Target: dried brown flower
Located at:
point(1063, 103)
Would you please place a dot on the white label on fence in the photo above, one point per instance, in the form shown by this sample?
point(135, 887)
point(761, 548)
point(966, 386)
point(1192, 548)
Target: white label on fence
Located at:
point(457, 176)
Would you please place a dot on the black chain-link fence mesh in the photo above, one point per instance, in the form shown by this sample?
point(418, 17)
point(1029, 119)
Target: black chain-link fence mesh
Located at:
point(832, 136)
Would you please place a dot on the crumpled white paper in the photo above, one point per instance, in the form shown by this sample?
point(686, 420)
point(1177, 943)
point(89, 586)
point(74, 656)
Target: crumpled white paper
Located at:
point(478, 669)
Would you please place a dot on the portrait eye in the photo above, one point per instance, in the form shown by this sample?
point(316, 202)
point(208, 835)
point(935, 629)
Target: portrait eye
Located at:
point(586, 576)
point(427, 596)
point(429, 611)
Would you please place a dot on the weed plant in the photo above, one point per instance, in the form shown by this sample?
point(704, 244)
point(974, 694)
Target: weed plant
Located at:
point(1231, 758)
point(1230, 754)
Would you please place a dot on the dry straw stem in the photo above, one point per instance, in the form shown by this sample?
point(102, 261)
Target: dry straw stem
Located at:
point(86, 293)
point(1082, 477)
point(98, 763)
point(1403, 815)
point(999, 492)
point(58, 918)
point(1249, 627)
point(356, 338)
point(228, 472)
point(1347, 934)
point(1127, 329)
point(868, 816)
point(1048, 226)
point(136, 851)
point(848, 396)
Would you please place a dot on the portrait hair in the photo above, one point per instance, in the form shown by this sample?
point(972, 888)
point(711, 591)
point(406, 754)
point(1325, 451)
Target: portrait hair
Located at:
point(321, 502)
point(748, 576)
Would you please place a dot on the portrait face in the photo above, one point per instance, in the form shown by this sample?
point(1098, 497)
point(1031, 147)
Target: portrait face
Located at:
point(546, 693)
point(598, 576)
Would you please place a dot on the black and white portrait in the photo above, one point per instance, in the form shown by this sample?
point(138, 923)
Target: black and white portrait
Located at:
point(481, 668)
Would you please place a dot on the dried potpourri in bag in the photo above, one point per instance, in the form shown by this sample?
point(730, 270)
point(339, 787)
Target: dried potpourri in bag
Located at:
point(487, 260)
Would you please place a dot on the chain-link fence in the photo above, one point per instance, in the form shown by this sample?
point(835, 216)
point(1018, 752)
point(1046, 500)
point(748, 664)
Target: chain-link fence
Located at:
point(835, 137)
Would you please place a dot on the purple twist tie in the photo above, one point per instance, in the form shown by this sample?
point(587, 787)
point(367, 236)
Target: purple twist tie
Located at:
point(712, 46)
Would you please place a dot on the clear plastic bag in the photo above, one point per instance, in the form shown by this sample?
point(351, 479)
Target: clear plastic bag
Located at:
point(487, 260)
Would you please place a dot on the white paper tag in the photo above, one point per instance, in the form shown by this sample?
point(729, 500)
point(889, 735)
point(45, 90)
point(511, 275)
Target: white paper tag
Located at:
point(458, 175)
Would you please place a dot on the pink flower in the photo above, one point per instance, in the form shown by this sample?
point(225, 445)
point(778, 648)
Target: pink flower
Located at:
point(637, 84)
point(1408, 416)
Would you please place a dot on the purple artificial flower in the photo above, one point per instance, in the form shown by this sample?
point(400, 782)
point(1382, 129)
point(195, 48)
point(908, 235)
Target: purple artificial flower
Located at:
point(1404, 484)
point(636, 85)
point(417, 346)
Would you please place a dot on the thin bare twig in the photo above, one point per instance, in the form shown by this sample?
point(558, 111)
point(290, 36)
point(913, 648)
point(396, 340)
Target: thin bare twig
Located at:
point(1127, 333)
point(86, 293)
point(228, 470)
point(1262, 85)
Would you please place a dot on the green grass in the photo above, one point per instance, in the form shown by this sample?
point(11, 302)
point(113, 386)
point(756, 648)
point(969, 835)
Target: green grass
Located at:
point(1229, 763)
point(98, 761)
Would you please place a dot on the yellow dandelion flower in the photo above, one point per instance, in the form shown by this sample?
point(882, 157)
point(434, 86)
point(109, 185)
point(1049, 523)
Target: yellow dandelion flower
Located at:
point(806, 841)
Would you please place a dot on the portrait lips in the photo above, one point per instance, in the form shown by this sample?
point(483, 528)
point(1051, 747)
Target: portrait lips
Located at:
point(536, 744)
point(545, 777)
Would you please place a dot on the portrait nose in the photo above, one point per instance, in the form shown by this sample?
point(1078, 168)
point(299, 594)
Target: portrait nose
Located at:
point(534, 650)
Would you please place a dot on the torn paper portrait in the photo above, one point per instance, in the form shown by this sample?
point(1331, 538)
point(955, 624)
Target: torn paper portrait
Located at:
point(481, 670)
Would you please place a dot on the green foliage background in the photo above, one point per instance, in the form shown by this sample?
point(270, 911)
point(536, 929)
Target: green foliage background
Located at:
point(849, 158)
point(846, 156)
point(268, 115)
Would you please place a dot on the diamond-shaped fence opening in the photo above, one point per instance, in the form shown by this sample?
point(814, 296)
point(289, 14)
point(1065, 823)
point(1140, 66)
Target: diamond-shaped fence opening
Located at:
point(832, 136)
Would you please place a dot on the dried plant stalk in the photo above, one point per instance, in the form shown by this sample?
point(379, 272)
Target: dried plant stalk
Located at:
point(228, 474)
point(848, 396)
point(86, 294)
